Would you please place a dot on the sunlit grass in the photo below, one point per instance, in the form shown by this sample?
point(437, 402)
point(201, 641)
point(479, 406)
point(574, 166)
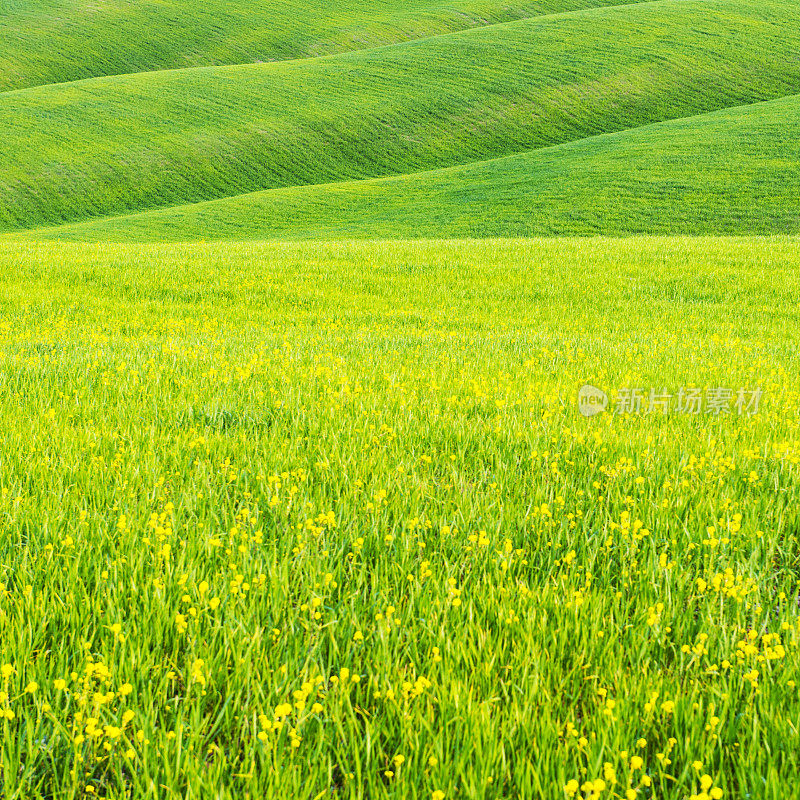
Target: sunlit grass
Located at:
point(323, 520)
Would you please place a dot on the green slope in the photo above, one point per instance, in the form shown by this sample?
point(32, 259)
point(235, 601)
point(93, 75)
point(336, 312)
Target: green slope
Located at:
point(112, 145)
point(733, 171)
point(52, 41)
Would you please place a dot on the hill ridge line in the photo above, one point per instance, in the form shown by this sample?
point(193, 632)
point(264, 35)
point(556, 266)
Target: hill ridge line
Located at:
point(16, 234)
point(355, 51)
point(204, 243)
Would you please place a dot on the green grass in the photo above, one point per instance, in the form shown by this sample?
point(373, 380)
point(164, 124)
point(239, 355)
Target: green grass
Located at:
point(53, 41)
point(732, 171)
point(321, 519)
point(205, 446)
point(112, 145)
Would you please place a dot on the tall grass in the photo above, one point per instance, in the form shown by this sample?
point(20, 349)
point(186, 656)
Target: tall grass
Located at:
point(324, 521)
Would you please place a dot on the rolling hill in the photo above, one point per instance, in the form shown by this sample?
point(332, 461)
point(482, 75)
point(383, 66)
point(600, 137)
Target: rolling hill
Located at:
point(108, 146)
point(733, 171)
point(54, 41)
point(302, 488)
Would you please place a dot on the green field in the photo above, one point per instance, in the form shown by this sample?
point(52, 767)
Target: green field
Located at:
point(358, 541)
point(113, 145)
point(735, 171)
point(54, 41)
point(301, 305)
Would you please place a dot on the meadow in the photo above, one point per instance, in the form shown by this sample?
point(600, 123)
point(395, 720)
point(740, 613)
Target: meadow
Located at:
point(298, 305)
point(323, 520)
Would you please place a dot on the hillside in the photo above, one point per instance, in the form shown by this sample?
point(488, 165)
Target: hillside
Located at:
point(107, 146)
point(53, 41)
point(730, 171)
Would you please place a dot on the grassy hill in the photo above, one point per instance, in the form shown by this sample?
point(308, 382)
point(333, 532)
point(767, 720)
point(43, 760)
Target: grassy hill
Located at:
point(112, 145)
point(730, 171)
point(53, 41)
